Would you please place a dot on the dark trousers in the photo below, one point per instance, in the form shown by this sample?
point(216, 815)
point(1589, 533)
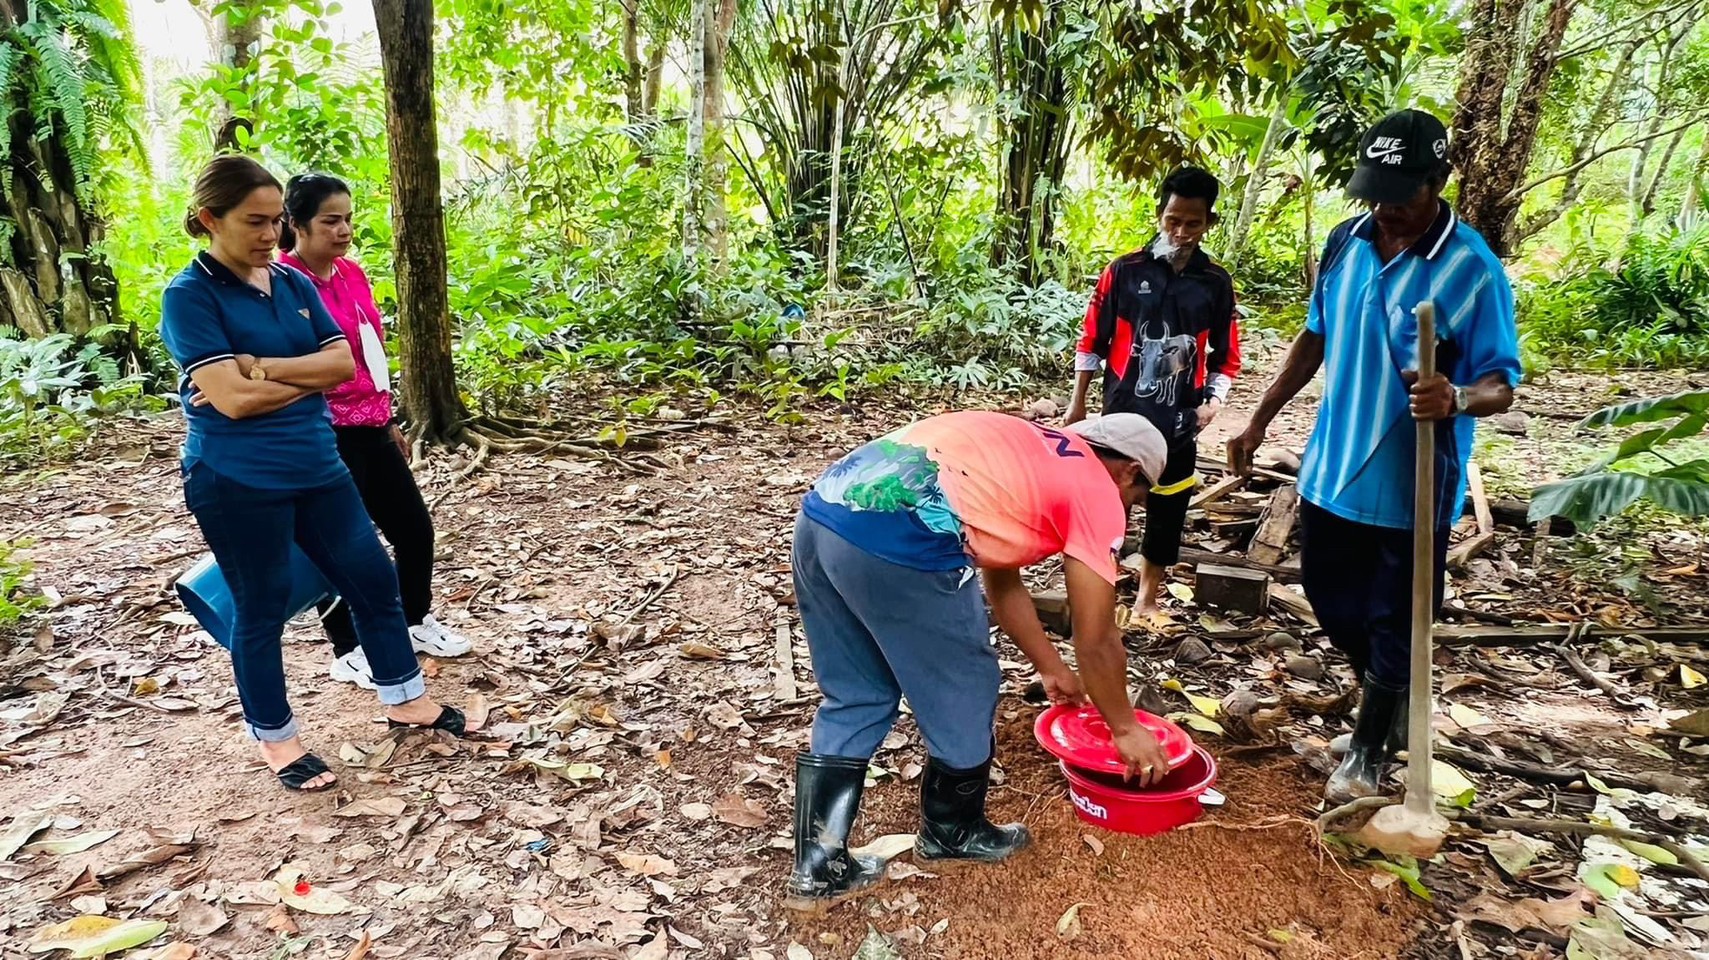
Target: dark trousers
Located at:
point(394, 503)
point(1166, 513)
point(250, 532)
point(1359, 581)
point(879, 631)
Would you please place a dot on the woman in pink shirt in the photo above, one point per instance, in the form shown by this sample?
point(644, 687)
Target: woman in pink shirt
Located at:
point(315, 238)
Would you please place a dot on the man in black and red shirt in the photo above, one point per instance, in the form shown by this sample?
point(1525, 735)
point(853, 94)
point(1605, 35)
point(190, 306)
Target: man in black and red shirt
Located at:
point(1162, 326)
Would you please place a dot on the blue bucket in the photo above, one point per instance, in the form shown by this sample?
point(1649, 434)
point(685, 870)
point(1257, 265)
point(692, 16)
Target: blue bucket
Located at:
point(207, 596)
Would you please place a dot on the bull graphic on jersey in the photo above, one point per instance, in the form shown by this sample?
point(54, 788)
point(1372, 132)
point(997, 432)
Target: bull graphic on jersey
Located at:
point(1163, 362)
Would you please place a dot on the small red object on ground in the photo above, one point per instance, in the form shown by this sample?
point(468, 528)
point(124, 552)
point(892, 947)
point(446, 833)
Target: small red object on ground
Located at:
point(1079, 737)
point(302, 888)
point(1105, 800)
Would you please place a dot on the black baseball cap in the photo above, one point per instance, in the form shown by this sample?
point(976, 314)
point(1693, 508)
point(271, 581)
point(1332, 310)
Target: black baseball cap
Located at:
point(1397, 155)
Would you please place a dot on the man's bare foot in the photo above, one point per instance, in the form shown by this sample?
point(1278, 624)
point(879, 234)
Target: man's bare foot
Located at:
point(282, 753)
point(421, 711)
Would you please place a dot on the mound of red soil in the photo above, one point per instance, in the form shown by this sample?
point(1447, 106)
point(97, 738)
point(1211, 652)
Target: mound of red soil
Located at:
point(1243, 882)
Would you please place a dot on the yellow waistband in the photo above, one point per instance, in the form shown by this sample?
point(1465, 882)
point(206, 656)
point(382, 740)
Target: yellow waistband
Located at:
point(1187, 484)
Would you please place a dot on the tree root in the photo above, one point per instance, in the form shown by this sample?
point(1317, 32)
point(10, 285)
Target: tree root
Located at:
point(1578, 828)
point(1329, 817)
point(1614, 693)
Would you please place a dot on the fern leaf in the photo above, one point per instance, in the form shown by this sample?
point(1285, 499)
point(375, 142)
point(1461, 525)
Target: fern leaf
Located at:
point(60, 83)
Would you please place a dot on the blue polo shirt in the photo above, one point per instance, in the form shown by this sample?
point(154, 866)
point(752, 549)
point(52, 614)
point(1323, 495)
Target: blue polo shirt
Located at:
point(209, 314)
point(1358, 463)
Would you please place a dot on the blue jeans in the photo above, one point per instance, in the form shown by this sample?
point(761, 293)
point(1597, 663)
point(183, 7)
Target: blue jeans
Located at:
point(879, 631)
point(250, 531)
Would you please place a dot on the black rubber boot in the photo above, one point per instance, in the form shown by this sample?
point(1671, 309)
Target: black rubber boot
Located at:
point(1361, 770)
point(827, 797)
point(952, 815)
point(1396, 741)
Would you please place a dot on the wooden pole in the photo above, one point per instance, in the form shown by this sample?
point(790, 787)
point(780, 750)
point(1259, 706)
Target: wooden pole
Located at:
point(1418, 796)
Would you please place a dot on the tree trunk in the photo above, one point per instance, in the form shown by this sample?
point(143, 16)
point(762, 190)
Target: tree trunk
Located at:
point(1035, 141)
point(430, 397)
point(237, 39)
point(49, 281)
point(633, 74)
point(1601, 117)
point(1640, 163)
point(694, 172)
point(716, 156)
point(1255, 183)
point(1647, 205)
point(1491, 147)
point(655, 80)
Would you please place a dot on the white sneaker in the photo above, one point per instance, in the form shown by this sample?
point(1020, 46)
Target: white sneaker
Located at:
point(433, 638)
point(353, 668)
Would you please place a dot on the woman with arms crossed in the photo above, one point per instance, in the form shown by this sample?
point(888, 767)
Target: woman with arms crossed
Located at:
point(261, 467)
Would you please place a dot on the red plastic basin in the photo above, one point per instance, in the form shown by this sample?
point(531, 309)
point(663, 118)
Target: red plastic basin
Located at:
point(1104, 800)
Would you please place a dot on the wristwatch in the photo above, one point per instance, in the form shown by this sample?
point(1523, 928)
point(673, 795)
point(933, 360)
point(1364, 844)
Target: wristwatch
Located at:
point(1462, 397)
point(257, 372)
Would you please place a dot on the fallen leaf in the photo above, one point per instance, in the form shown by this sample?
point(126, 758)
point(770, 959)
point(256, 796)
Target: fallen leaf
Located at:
point(798, 952)
point(1649, 851)
point(77, 844)
point(1690, 679)
point(1514, 852)
point(1603, 938)
point(1608, 878)
point(279, 920)
point(429, 667)
point(96, 936)
point(688, 941)
point(573, 772)
point(1209, 706)
point(657, 948)
point(372, 807)
point(172, 951)
point(696, 811)
point(885, 847)
point(1694, 724)
point(475, 712)
point(24, 826)
point(464, 811)
point(527, 916)
point(199, 919)
point(646, 864)
point(1068, 926)
point(724, 716)
point(145, 687)
point(1181, 592)
point(663, 758)
point(1202, 724)
point(695, 650)
point(1093, 842)
point(319, 900)
point(1447, 780)
point(740, 811)
point(651, 670)
point(152, 857)
point(370, 755)
point(526, 815)
point(876, 946)
point(1455, 682)
point(360, 951)
point(1466, 717)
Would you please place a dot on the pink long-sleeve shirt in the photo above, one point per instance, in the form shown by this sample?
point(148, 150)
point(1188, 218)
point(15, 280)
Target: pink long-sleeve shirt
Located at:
point(358, 402)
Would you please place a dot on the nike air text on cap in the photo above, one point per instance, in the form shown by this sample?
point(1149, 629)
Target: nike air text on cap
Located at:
point(1398, 155)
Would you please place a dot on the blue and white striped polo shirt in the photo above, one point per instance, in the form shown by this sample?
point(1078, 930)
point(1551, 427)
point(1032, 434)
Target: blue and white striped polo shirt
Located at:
point(1358, 463)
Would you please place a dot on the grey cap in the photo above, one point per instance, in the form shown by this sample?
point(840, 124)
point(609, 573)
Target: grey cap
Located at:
point(1130, 435)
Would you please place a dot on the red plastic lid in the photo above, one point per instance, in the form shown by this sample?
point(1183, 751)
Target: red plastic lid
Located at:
point(1079, 736)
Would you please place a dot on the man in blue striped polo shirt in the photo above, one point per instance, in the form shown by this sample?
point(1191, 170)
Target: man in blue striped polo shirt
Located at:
point(1356, 477)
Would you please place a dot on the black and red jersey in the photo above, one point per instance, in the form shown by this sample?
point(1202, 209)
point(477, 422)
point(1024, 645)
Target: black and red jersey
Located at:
point(1167, 341)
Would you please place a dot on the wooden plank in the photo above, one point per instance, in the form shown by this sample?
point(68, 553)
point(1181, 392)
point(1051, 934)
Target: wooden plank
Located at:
point(1235, 589)
point(1052, 609)
point(1463, 552)
point(1478, 635)
point(1232, 509)
point(1213, 465)
point(1195, 555)
point(1480, 502)
point(1233, 529)
point(1293, 603)
point(1276, 525)
point(1218, 490)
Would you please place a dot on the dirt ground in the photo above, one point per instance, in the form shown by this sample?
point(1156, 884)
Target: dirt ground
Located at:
point(645, 686)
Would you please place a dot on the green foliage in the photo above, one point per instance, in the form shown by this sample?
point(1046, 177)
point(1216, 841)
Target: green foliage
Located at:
point(1650, 309)
point(1614, 483)
point(49, 388)
point(71, 66)
point(16, 601)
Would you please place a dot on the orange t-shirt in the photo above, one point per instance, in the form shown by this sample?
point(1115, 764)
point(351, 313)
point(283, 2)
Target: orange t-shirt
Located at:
point(974, 486)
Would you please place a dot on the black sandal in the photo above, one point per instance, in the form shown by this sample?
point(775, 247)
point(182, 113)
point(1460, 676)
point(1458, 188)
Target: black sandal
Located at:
point(450, 720)
point(301, 771)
